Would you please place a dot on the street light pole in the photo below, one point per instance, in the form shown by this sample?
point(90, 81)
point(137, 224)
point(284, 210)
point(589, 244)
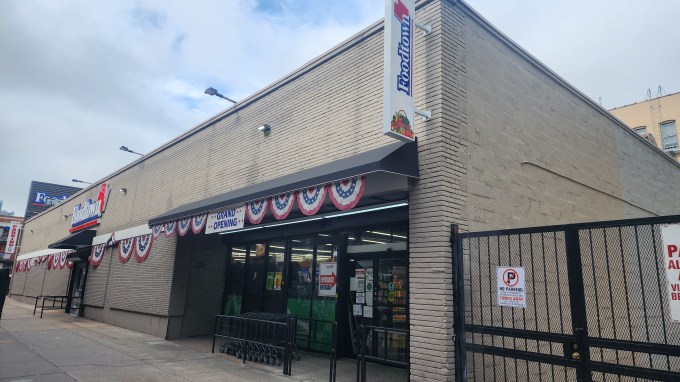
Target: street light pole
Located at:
point(80, 181)
point(123, 148)
point(213, 92)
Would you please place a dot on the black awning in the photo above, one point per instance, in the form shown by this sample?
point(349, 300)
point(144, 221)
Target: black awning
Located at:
point(396, 158)
point(77, 240)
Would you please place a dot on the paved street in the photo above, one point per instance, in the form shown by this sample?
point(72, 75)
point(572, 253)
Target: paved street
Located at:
point(63, 348)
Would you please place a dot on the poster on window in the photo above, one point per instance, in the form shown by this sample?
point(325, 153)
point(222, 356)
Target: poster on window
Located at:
point(328, 279)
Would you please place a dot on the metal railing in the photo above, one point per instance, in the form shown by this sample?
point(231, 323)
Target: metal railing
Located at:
point(334, 353)
point(258, 340)
point(367, 331)
point(62, 303)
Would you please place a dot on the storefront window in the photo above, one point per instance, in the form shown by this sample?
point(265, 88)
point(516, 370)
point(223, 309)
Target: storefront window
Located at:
point(301, 272)
point(234, 296)
point(273, 294)
point(323, 307)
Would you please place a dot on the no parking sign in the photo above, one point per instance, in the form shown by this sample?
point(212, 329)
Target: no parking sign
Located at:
point(511, 292)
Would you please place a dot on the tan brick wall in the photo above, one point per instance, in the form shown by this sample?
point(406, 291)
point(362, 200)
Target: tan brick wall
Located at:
point(98, 278)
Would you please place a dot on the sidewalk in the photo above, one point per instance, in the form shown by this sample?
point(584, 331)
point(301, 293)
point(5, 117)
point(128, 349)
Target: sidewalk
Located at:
point(64, 348)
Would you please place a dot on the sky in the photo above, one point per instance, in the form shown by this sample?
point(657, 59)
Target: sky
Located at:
point(80, 78)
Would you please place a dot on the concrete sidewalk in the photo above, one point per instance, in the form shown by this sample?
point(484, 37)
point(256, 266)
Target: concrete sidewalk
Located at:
point(64, 348)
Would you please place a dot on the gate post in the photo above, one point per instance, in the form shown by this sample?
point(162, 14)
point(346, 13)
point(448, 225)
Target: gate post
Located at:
point(458, 304)
point(577, 301)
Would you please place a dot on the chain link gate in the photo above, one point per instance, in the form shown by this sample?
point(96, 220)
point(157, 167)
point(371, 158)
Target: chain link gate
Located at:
point(597, 304)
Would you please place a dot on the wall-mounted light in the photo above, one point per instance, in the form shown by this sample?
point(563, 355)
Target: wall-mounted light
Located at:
point(123, 191)
point(127, 150)
point(213, 92)
point(266, 129)
point(80, 181)
point(30, 231)
point(66, 216)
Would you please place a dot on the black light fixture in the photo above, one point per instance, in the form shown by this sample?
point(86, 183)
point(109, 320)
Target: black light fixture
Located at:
point(213, 92)
point(123, 148)
point(80, 181)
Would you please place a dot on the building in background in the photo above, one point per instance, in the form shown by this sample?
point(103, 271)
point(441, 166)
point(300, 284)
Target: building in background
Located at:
point(6, 223)
point(42, 196)
point(655, 119)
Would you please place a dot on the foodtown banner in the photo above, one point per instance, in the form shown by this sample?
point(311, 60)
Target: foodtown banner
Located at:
point(398, 106)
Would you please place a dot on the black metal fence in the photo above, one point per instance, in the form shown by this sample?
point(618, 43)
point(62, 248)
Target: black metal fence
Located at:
point(54, 299)
point(373, 344)
point(596, 304)
point(257, 339)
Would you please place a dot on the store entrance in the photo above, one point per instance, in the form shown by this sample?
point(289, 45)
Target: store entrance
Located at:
point(378, 296)
point(77, 288)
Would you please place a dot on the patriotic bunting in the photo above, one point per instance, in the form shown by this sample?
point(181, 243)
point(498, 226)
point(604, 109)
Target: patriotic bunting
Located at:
point(346, 193)
point(198, 222)
point(311, 199)
point(62, 260)
point(282, 204)
point(183, 226)
point(143, 246)
point(256, 210)
point(125, 248)
point(156, 230)
point(97, 254)
point(69, 264)
point(49, 262)
point(170, 228)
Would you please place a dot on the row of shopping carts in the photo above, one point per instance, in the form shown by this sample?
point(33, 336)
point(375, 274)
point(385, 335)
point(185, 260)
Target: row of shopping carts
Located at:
point(259, 337)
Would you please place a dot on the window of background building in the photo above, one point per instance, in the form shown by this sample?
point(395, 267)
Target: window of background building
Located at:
point(669, 136)
point(641, 130)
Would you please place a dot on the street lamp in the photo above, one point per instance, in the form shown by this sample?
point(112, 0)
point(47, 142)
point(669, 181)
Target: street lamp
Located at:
point(213, 92)
point(123, 148)
point(80, 181)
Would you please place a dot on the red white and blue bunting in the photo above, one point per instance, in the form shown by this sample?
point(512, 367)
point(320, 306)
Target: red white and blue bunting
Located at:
point(156, 230)
point(97, 254)
point(183, 226)
point(125, 248)
point(170, 228)
point(62, 260)
point(311, 199)
point(282, 204)
point(345, 194)
point(143, 246)
point(255, 210)
point(198, 222)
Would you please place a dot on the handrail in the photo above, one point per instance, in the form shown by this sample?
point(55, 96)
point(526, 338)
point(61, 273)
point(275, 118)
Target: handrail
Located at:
point(334, 353)
point(62, 302)
point(362, 357)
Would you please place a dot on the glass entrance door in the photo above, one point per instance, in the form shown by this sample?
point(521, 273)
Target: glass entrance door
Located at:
point(79, 272)
point(379, 297)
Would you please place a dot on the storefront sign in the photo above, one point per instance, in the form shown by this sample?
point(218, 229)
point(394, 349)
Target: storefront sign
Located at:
point(90, 214)
point(13, 237)
point(43, 199)
point(511, 292)
point(327, 279)
point(225, 220)
point(670, 234)
point(398, 107)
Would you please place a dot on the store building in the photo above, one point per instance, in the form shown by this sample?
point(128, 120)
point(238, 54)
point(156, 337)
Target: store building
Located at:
point(509, 144)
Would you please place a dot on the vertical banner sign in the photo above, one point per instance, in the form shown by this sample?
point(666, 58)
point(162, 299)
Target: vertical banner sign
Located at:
point(398, 106)
point(511, 292)
point(670, 234)
point(12, 237)
point(328, 279)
